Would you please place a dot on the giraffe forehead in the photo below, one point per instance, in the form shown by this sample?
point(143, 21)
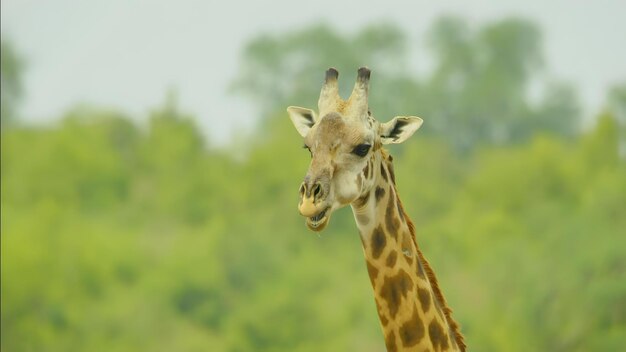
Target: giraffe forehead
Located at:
point(333, 129)
point(331, 126)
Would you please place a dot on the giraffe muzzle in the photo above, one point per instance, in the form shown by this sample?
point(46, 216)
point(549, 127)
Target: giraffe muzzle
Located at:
point(313, 207)
point(311, 198)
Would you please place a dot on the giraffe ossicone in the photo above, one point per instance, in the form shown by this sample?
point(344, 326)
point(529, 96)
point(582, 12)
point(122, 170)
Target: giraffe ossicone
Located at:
point(349, 166)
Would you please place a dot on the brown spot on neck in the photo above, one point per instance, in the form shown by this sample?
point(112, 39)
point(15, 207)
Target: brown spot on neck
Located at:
point(391, 219)
point(383, 173)
point(424, 297)
point(378, 242)
point(437, 336)
point(379, 193)
point(412, 332)
point(383, 319)
point(394, 288)
point(381, 314)
point(372, 272)
point(360, 202)
point(420, 270)
point(400, 209)
point(390, 342)
point(391, 259)
point(389, 165)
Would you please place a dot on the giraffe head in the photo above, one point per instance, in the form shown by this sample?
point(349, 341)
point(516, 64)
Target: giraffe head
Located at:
point(344, 140)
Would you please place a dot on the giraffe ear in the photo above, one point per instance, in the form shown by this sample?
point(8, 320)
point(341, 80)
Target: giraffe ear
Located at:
point(399, 129)
point(303, 119)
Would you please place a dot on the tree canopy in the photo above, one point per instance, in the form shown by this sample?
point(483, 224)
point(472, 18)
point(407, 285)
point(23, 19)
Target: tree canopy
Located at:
point(478, 93)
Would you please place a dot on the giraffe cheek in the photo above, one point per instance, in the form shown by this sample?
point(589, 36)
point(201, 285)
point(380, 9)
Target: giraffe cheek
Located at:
point(346, 197)
point(347, 194)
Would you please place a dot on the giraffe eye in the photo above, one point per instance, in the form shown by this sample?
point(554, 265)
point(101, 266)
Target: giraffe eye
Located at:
point(361, 150)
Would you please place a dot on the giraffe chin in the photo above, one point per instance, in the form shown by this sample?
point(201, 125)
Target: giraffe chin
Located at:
point(318, 225)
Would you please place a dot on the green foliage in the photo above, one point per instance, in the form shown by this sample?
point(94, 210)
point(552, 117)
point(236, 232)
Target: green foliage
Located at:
point(114, 237)
point(127, 238)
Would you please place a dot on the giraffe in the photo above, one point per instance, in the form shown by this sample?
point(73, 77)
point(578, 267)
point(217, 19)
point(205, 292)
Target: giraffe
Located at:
point(349, 166)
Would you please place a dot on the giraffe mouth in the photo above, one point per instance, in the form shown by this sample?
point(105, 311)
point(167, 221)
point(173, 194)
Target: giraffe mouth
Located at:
point(319, 221)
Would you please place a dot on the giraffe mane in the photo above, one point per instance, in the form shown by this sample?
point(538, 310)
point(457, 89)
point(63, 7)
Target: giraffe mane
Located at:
point(434, 284)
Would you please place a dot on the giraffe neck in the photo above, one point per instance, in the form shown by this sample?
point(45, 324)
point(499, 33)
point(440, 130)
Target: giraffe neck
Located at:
point(413, 313)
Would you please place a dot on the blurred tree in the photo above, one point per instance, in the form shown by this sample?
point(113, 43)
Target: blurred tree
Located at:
point(477, 93)
point(171, 166)
point(11, 70)
point(617, 100)
point(557, 112)
point(481, 85)
point(617, 104)
point(85, 162)
point(288, 69)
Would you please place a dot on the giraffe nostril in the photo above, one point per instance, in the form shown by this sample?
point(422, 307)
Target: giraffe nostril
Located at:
point(302, 189)
point(317, 190)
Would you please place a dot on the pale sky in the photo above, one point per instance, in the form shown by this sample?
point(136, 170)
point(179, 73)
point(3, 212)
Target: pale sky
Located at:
point(127, 53)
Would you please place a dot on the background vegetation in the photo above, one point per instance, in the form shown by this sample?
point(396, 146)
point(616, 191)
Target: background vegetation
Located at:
point(119, 237)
